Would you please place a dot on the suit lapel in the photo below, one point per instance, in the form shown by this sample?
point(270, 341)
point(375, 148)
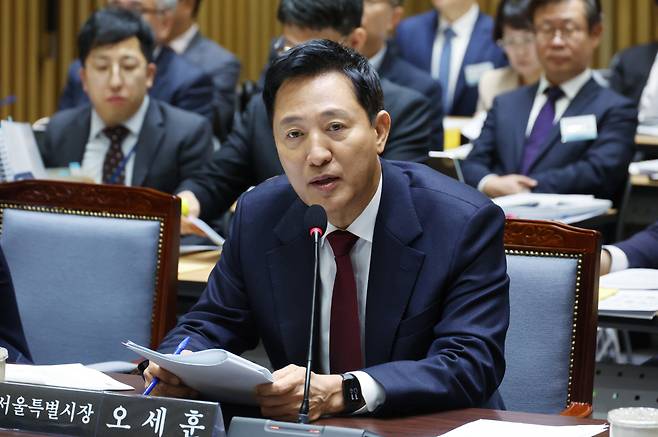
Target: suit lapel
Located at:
point(518, 129)
point(577, 106)
point(78, 137)
point(148, 143)
point(394, 266)
point(427, 44)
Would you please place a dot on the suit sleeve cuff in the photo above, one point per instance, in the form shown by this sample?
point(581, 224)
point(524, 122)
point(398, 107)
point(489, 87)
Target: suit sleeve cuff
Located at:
point(618, 259)
point(483, 181)
point(372, 391)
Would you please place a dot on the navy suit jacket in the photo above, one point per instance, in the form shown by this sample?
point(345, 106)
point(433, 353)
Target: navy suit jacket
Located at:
point(401, 72)
point(598, 167)
point(642, 248)
point(415, 38)
point(176, 82)
point(630, 70)
point(437, 303)
point(172, 145)
point(12, 337)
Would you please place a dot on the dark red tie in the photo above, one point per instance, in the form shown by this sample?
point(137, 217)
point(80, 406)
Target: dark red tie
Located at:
point(344, 332)
point(112, 174)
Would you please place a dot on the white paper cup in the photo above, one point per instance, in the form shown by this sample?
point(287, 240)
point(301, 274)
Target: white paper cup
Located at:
point(3, 359)
point(633, 422)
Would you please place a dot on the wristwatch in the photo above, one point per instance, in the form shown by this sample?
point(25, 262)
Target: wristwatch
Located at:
point(352, 396)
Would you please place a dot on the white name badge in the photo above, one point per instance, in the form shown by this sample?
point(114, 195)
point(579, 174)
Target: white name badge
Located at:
point(580, 128)
point(473, 72)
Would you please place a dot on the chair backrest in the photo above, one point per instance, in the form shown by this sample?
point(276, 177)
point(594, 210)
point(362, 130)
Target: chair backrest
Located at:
point(550, 344)
point(92, 265)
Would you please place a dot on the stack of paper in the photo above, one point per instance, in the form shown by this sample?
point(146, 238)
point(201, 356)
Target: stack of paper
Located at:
point(63, 375)
point(567, 208)
point(636, 296)
point(496, 428)
point(643, 167)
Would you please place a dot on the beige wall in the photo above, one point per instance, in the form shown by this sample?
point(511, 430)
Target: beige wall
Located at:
point(33, 63)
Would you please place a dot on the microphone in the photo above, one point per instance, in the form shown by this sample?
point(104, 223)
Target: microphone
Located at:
point(315, 220)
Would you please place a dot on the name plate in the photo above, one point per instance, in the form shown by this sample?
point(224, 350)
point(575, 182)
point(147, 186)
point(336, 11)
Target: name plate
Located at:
point(89, 413)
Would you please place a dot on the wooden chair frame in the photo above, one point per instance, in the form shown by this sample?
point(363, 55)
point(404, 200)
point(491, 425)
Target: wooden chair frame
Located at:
point(120, 202)
point(547, 238)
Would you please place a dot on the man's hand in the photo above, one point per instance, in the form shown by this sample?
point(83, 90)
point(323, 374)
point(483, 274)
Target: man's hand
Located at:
point(606, 262)
point(192, 209)
point(170, 385)
point(281, 399)
point(509, 184)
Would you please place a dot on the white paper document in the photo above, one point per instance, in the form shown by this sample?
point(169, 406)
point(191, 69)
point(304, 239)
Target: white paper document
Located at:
point(643, 167)
point(567, 208)
point(206, 229)
point(63, 375)
point(19, 154)
point(636, 296)
point(215, 373)
point(631, 279)
point(496, 428)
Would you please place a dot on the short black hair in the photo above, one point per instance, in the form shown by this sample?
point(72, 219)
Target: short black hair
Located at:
point(110, 26)
point(341, 15)
point(592, 8)
point(316, 57)
point(512, 13)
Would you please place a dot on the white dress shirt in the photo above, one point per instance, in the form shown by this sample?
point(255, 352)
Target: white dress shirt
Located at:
point(363, 227)
point(618, 258)
point(648, 110)
point(463, 28)
point(182, 41)
point(98, 144)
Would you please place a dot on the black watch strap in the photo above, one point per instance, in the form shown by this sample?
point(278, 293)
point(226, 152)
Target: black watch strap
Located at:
point(352, 395)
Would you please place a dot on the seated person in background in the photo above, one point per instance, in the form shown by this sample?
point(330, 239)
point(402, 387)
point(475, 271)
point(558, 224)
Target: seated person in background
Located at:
point(639, 251)
point(566, 134)
point(380, 18)
point(221, 65)
point(431, 335)
point(248, 156)
point(12, 337)
point(125, 137)
point(176, 82)
point(513, 32)
point(634, 74)
point(453, 43)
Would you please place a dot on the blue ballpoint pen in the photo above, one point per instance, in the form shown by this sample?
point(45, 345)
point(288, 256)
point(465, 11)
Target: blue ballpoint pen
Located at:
point(154, 381)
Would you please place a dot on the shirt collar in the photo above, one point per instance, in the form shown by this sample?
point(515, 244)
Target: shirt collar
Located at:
point(462, 26)
point(182, 41)
point(378, 59)
point(571, 87)
point(364, 225)
point(133, 124)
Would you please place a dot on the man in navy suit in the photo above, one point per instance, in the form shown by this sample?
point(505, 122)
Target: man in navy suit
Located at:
point(414, 293)
point(566, 134)
point(380, 18)
point(177, 81)
point(639, 251)
point(453, 43)
point(12, 337)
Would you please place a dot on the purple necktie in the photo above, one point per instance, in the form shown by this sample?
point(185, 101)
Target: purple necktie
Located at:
point(541, 129)
point(344, 330)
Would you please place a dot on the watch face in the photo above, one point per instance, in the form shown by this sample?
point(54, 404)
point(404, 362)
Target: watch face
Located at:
point(352, 396)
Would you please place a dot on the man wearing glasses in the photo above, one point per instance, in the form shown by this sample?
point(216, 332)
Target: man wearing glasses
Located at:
point(176, 81)
point(566, 134)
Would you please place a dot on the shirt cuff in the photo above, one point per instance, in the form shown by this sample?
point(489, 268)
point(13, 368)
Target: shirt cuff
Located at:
point(484, 181)
point(372, 391)
point(618, 259)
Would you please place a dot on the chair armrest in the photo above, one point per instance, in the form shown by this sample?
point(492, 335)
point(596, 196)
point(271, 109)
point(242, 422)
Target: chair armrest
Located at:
point(577, 409)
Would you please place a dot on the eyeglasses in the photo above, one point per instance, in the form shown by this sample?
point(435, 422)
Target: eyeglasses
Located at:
point(516, 43)
point(568, 32)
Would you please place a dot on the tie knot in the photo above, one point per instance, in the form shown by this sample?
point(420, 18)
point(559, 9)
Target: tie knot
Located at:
point(448, 32)
point(553, 93)
point(341, 242)
point(116, 134)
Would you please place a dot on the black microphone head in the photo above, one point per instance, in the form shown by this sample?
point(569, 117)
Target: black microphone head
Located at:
point(315, 219)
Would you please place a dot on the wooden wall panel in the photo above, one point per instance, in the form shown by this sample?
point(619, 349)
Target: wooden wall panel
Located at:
point(34, 63)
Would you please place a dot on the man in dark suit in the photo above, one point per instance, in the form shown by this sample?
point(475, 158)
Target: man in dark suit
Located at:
point(12, 337)
point(639, 251)
point(380, 18)
point(221, 65)
point(431, 335)
point(248, 156)
point(125, 137)
point(566, 134)
point(177, 81)
point(453, 43)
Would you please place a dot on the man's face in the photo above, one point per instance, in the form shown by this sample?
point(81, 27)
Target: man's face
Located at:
point(117, 77)
point(160, 20)
point(565, 44)
point(379, 20)
point(327, 145)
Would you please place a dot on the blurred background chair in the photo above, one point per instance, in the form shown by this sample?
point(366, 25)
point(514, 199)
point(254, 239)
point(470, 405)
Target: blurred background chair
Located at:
point(550, 345)
point(93, 265)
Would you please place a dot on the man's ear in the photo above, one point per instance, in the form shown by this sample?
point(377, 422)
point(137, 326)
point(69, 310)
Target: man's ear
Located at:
point(82, 74)
point(398, 14)
point(151, 69)
point(382, 128)
point(357, 39)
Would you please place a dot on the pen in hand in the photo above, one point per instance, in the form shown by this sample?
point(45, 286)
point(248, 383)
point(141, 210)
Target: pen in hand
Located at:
point(155, 380)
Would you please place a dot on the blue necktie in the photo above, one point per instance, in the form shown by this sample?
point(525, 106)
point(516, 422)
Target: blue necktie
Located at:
point(541, 129)
point(444, 68)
